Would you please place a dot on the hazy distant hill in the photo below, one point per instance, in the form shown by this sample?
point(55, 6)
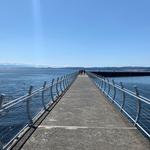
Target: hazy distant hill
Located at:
point(6, 65)
point(10, 66)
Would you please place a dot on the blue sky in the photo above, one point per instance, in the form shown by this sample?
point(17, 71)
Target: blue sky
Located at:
point(75, 32)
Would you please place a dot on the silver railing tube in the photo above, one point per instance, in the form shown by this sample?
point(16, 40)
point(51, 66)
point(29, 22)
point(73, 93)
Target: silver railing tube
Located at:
point(140, 101)
point(138, 105)
point(57, 85)
point(104, 85)
point(1, 100)
point(51, 90)
point(64, 87)
point(108, 87)
point(123, 96)
point(28, 106)
point(114, 96)
point(43, 95)
point(61, 85)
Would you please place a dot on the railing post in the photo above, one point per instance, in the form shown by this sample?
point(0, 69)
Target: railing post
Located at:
point(98, 83)
point(138, 105)
point(1, 104)
point(104, 86)
point(57, 90)
point(1, 100)
point(67, 80)
point(51, 90)
point(123, 96)
point(43, 92)
point(28, 106)
point(1, 146)
point(114, 96)
point(108, 87)
point(71, 79)
point(64, 83)
point(61, 84)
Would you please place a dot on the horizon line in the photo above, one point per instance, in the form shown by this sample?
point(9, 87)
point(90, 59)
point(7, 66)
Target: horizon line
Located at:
point(65, 66)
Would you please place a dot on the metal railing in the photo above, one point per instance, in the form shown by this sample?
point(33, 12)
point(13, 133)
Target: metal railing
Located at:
point(28, 108)
point(131, 104)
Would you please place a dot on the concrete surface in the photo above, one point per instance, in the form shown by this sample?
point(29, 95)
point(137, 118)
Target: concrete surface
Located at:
point(85, 120)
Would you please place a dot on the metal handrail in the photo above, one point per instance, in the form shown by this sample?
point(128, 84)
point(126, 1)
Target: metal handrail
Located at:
point(131, 93)
point(102, 82)
point(61, 83)
point(25, 97)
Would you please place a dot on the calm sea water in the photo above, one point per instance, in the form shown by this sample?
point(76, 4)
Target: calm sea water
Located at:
point(142, 83)
point(15, 83)
point(130, 105)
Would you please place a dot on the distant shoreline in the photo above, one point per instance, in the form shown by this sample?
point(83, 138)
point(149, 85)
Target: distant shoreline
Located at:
point(128, 68)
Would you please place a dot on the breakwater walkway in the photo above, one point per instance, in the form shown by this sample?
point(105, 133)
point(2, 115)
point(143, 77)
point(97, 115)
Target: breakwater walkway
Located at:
point(85, 120)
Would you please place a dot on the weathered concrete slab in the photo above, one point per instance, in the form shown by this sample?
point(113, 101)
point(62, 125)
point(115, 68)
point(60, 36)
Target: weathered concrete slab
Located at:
point(84, 120)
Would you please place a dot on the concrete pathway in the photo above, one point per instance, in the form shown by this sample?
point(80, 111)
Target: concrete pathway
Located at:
point(85, 120)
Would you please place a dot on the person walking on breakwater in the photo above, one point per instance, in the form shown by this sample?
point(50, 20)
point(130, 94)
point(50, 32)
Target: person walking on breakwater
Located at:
point(82, 72)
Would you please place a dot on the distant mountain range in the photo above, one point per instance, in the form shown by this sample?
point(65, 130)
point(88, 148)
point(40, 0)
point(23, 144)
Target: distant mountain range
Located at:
point(8, 65)
point(17, 65)
point(128, 68)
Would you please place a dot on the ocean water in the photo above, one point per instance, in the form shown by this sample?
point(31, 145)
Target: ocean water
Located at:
point(15, 82)
point(142, 83)
point(130, 105)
